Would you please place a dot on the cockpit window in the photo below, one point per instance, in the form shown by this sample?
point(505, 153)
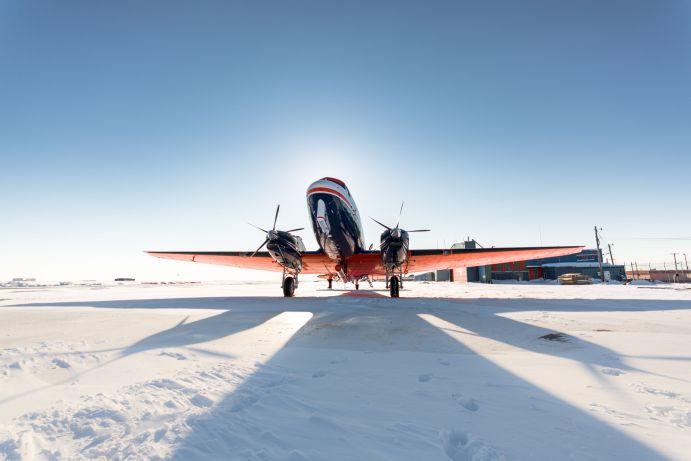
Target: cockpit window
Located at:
point(337, 181)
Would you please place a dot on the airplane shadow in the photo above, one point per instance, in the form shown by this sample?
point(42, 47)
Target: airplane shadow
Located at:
point(200, 331)
point(372, 327)
point(374, 331)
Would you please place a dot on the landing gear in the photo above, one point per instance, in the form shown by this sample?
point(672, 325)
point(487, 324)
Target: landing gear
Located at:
point(289, 287)
point(330, 283)
point(394, 286)
point(357, 285)
point(394, 282)
point(289, 284)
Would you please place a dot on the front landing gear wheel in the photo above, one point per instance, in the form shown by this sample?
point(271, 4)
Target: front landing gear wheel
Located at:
point(357, 285)
point(289, 287)
point(393, 287)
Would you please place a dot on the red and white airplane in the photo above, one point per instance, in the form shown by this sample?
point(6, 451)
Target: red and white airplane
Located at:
point(342, 254)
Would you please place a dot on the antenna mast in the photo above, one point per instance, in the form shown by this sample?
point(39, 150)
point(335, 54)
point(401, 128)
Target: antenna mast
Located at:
point(599, 256)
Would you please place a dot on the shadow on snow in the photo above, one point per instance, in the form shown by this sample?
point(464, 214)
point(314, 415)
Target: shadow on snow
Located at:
point(377, 412)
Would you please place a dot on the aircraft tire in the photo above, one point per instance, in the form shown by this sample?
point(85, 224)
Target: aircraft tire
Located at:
point(357, 286)
point(393, 287)
point(289, 287)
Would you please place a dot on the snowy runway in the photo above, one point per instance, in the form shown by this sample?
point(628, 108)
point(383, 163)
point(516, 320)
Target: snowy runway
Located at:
point(448, 371)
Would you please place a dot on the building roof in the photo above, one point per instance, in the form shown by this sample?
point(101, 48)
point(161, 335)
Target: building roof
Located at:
point(580, 264)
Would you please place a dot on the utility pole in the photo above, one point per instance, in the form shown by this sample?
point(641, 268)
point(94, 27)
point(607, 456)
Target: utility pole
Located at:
point(638, 274)
point(599, 256)
point(611, 258)
point(675, 267)
point(687, 262)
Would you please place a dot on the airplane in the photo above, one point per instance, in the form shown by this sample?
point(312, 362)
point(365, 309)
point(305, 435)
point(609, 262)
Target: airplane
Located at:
point(342, 254)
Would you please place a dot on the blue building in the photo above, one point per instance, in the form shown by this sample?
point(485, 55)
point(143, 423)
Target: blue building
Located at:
point(584, 262)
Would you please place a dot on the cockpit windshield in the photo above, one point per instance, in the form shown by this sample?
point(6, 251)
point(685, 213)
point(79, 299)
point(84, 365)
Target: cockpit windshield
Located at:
point(337, 181)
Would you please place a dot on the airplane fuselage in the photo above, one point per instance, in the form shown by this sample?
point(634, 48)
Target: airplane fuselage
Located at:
point(335, 219)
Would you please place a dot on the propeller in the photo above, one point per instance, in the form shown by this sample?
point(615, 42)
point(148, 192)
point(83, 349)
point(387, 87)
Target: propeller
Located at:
point(396, 231)
point(271, 234)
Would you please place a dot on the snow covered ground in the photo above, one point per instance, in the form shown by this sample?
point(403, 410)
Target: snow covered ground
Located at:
point(448, 371)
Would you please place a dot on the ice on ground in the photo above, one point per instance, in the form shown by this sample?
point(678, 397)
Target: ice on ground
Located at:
point(447, 372)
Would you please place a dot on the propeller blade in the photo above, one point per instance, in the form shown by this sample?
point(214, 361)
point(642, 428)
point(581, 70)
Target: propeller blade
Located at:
point(257, 227)
point(382, 225)
point(295, 230)
point(260, 247)
point(276, 217)
point(419, 230)
point(399, 214)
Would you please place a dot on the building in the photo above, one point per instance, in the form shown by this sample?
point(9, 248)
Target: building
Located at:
point(552, 271)
point(584, 262)
point(669, 276)
point(660, 275)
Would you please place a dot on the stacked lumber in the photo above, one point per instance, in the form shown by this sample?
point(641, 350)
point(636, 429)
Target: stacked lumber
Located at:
point(575, 279)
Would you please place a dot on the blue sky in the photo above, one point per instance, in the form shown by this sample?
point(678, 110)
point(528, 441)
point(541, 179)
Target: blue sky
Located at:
point(127, 126)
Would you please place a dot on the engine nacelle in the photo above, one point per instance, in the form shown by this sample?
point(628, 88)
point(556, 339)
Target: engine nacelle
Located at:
point(286, 249)
point(394, 248)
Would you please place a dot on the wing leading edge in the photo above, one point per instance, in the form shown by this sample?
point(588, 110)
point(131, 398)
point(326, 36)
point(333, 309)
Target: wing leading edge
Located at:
point(429, 260)
point(313, 262)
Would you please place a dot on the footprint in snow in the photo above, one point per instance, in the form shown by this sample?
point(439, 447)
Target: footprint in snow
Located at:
point(60, 363)
point(319, 374)
point(466, 402)
point(201, 401)
point(469, 404)
point(612, 371)
point(424, 378)
point(459, 446)
point(174, 355)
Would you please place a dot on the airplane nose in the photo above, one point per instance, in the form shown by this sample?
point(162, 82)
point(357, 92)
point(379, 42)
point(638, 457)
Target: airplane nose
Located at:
point(396, 233)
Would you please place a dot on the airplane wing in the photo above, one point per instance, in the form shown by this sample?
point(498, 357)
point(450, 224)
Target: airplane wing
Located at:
point(369, 263)
point(430, 260)
point(313, 262)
